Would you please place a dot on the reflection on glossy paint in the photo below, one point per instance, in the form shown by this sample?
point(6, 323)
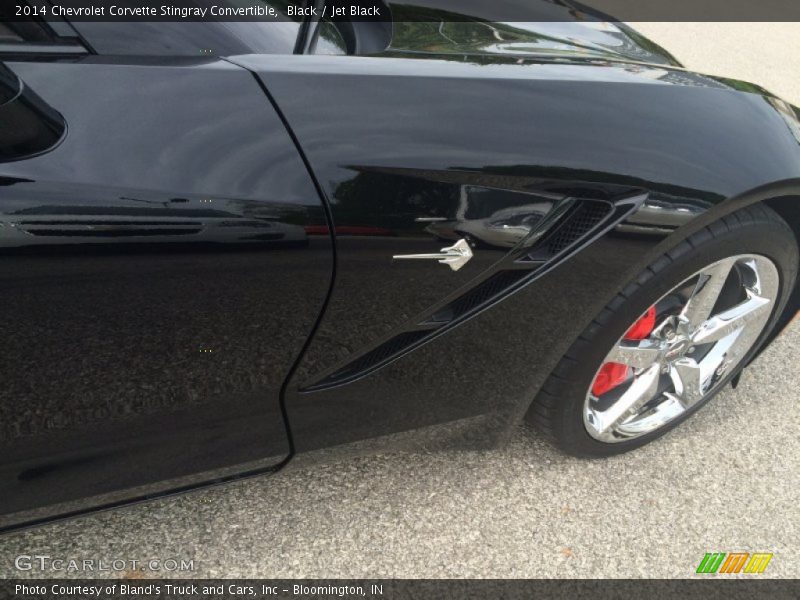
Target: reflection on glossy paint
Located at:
point(492, 217)
point(28, 125)
point(439, 135)
point(564, 39)
point(123, 219)
point(789, 114)
point(156, 279)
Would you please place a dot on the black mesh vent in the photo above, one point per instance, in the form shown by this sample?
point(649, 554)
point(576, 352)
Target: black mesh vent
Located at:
point(374, 357)
point(480, 294)
point(581, 220)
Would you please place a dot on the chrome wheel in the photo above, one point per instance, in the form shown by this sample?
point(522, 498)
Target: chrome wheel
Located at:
point(682, 348)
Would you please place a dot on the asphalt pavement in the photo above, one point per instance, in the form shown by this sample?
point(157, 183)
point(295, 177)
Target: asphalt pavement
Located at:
point(725, 481)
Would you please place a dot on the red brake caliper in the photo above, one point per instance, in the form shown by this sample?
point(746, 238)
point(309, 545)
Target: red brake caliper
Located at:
point(613, 374)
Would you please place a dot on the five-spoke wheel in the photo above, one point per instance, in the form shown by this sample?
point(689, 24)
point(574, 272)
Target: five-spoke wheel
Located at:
point(701, 331)
point(671, 337)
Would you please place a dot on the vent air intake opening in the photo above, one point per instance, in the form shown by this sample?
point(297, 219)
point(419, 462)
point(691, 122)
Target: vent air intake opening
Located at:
point(573, 229)
point(585, 216)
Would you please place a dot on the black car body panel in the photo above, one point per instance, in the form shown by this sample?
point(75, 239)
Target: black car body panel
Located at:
point(197, 272)
point(438, 140)
point(157, 281)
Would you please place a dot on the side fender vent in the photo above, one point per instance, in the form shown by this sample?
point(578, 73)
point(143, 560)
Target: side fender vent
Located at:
point(472, 301)
point(579, 224)
point(477, 296)
point(372, 360)
point(581, 220)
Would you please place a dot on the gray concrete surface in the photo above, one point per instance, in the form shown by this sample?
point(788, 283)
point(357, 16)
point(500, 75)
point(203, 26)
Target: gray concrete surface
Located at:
point(727, 480)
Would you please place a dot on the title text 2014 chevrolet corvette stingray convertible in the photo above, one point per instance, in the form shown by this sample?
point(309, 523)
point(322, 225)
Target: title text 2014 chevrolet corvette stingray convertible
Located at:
point(227, 244)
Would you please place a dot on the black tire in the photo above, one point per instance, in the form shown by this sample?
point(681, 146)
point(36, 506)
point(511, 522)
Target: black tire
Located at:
point(557, 410)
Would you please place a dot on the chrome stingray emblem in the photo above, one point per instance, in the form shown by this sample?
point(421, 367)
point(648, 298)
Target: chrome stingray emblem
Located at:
point(456, 256)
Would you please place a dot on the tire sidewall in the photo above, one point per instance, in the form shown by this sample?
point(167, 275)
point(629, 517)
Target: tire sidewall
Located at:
point(774, 242)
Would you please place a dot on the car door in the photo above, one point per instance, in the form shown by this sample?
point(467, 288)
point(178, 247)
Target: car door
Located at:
point(156, 277)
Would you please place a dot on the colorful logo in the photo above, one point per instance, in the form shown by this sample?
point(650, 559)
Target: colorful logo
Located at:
point(734, 562)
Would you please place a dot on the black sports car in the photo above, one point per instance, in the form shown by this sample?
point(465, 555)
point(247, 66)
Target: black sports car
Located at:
point(226, 244)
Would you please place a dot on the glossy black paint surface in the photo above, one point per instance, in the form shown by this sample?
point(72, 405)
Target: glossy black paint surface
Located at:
point(29, 126)
point(165, 268)
point(156, 280)
point(399, 140)
point(589, 38)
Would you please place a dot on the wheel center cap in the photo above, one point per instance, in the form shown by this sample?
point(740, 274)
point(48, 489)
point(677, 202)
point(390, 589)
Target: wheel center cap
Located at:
point(677, 349)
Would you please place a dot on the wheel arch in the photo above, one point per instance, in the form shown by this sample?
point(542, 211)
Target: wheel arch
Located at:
point(783, 197)
point(788, 208)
